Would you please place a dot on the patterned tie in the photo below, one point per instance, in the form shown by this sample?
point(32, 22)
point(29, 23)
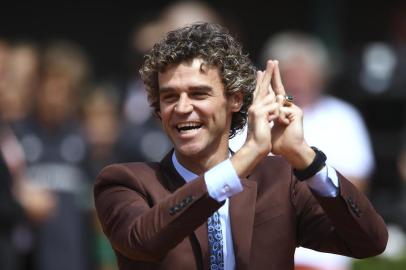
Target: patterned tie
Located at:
point(215, 242)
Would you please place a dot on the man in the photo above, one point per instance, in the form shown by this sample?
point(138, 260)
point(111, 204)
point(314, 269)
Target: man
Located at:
point(202, 87)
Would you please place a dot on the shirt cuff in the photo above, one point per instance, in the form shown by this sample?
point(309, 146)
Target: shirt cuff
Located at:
point(325, 182)
point(222, 181)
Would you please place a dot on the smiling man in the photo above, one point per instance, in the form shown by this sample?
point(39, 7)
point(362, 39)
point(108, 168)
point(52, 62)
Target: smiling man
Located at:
point(196, 113)
point(203, 207)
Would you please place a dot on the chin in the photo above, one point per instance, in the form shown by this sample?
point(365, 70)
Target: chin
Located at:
point(189, 150)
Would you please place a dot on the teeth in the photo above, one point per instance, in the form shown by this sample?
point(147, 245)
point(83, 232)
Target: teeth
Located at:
point(188, 126)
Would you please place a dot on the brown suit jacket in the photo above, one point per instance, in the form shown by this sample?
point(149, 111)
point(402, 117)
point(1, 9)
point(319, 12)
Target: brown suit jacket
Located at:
point(156, 221)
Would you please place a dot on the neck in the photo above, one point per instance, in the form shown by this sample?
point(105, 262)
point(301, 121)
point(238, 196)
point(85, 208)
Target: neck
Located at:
point(199, 163)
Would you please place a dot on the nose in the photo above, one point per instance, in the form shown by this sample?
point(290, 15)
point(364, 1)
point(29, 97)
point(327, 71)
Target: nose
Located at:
point(184, 104)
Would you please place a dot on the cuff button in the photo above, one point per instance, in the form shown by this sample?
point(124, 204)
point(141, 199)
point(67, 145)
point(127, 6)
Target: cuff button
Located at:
point(226, 189)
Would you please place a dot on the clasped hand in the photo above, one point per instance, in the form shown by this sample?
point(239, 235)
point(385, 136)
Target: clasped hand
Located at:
point(285, 136)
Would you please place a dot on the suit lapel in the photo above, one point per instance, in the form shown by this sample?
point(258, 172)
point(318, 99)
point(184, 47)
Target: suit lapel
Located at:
point(242, 210)
point(172, 181)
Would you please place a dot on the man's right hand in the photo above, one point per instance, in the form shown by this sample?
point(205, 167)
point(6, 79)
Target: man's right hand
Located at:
point(264, 109)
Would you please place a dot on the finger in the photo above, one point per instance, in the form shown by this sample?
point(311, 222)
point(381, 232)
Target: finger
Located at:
point(277, 84)
point(280, 99)
point(273, 111)
point(271, 92)
point(265, 84)
point(286, 115)
point(263, 105)
point(259, 76)
point(268, 99)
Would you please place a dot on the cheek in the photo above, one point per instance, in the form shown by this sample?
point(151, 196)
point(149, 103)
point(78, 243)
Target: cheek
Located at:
point(220, 113)
point(163, 117)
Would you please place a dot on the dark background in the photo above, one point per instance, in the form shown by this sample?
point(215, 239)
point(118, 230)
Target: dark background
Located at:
point(103, 28)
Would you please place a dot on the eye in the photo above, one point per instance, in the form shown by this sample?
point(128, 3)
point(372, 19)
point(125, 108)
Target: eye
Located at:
point(169, 98)
point(199, 95)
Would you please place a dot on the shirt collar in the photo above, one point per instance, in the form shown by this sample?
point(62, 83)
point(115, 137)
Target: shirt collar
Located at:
point(185, 173)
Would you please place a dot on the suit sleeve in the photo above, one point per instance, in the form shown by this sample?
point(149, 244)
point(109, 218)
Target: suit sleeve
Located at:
point(137, 228)
point(347, 224)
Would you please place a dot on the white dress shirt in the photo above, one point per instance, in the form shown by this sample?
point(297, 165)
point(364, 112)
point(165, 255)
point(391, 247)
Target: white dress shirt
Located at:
point(223, 182)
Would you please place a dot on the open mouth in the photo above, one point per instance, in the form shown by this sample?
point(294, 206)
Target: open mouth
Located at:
point(189, 126)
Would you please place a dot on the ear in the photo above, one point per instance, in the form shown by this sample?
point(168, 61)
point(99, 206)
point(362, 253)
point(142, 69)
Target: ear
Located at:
point(235, 101)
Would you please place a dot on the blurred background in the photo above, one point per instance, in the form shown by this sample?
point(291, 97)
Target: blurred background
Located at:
point(71, 102)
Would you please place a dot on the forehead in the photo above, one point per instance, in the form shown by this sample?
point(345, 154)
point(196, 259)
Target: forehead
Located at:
point(194, 71)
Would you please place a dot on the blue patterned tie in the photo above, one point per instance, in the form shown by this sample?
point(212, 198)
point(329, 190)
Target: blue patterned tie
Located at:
point(215, 242)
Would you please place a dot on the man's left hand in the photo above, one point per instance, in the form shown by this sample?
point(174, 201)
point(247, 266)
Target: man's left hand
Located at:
point(287, 136)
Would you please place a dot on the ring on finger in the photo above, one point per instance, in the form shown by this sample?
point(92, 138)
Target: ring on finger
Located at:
point(287, 100)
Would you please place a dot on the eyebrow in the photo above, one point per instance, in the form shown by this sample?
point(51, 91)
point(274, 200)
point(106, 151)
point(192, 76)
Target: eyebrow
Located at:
point(165, 89)
point(202, 87)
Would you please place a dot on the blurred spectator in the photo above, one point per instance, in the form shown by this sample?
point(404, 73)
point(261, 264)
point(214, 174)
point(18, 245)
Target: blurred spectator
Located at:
point(56, 152)
point(100, 119)
point(21, 202)
point(306, 67)
point(101, 123)
point(329, 123)
point(173, 16)
point(19, 82)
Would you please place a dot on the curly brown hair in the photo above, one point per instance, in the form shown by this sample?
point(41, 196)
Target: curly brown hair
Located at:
point(216, 47)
